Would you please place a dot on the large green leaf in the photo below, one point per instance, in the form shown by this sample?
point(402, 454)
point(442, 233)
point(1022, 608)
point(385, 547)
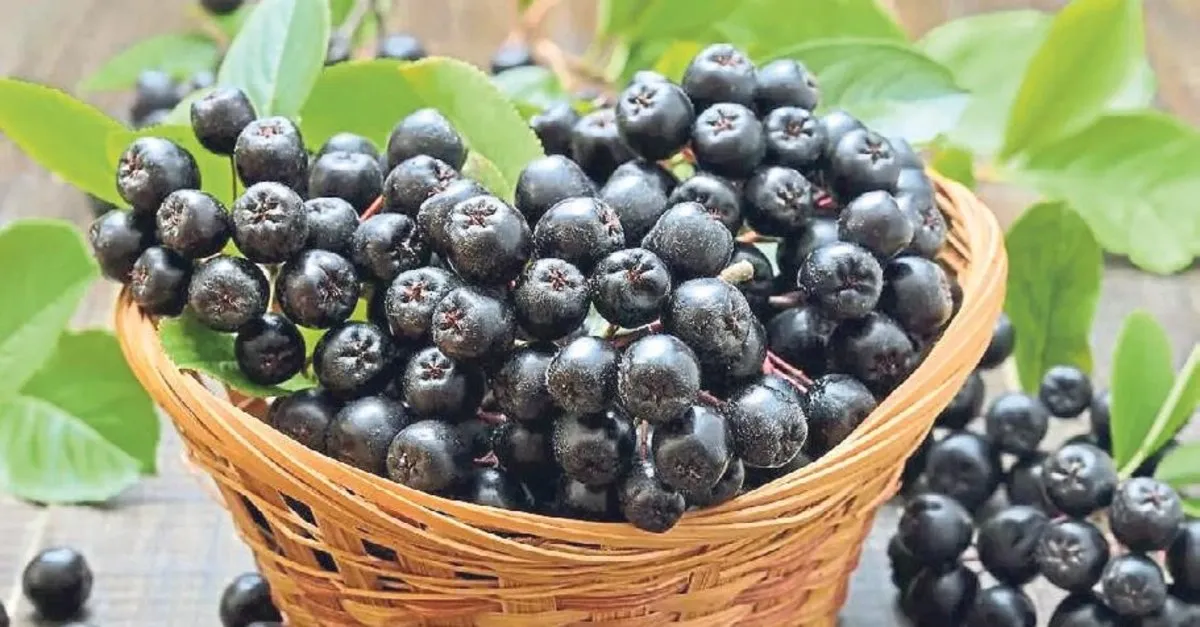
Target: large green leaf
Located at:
point(1093, 50)
point(531, 88)
point(1141, 379)
point(891, 86)
point(674, 62)
point(278, 54)
point(62, 134)
point(180, 55)
point(216, 175)
point(955, 163)
point(1178, 407)
point(617, 16)
point(370, 97)
point(679, 19)
point(765, 27)
point(193, 346)
point(1054, 274)
point(1133, 178)
point(45, 269)
point(1181, 467)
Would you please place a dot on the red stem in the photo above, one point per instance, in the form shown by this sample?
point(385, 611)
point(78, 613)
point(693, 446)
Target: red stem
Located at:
point(373, 209)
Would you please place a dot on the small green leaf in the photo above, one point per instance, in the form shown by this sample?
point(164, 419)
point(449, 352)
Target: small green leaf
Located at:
point(765, 27)
point(1181, 402)
point(1141, 379)
point(370, 97)
point(1054, 274)
point(679, 19)
point(216, 177)
point(1181, 467)
point(531, 88)
point(1092, 51)
point(60, 133)
point(614, 17)
point(674, 62)
point(1130, 175)
point(955, 163)
point(278, 54)
point(45, 269)
point(891, 86)
point(192, 346)
point(480, 169)
point(180, 55)
point(1191, 508)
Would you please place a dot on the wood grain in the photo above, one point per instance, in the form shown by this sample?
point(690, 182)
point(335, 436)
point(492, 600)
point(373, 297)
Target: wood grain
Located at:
point(163, 551)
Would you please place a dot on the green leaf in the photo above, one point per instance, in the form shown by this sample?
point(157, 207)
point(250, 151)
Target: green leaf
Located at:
point(181, 114)
point(1141, 379)
point(1191, 507)
point(216, 177)
point(1181, 467)
point(370, 97)
point(674, 62)
point(339, 10)
point(193, 346)
point(485, 172)
point(617, 16)
point(45, 268)
point(1054, 274)
point(60, 133)
point(955, 163)
point(1093, 49)
point(891, 86)
point(679, 19)
point(764, 27)
point(1130, 175)
point(1181, 402)
point(180, 55)
point(230, 24)
point(278, 54)
point(531, 88)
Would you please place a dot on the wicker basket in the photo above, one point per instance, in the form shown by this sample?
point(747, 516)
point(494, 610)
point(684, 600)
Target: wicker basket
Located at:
point(342, 547)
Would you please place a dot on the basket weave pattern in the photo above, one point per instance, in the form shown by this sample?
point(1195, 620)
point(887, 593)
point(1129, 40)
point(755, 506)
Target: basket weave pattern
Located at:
point(342, 547)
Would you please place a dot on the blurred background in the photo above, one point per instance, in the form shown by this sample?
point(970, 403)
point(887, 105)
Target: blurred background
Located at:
point(163, 551)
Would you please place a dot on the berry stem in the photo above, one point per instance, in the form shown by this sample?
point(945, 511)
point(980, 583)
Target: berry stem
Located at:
point(710, 399)
point(754, 237)
point(787, 371)
point(492, 417)
point(786, 300)
point(373, 209)
point(490, 460)
point(622, 341)
point(643, 439)
point(610, 331)
point(233, 177)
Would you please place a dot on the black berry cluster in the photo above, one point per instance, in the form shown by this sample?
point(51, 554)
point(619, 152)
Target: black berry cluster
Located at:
point(1064, 516)
point(596, 349)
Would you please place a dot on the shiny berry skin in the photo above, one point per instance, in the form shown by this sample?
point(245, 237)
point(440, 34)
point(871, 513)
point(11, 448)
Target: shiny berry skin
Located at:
point(1004, 338)
point(941, 596)
point(916, 294)
point(1017, 423)
point(523, 448)
point(219, 117)
point(1071, 554)
point(363, 429)
point(1133, 585)
point(387, 244)
point(716, 194)
point(630, 287)
point(318, 289)
point(550, 299)
point(876, 351)
point(159, 281)
point(760, 286)
point(1023, 484)
point(862, 162)
point(875, 222)
point(795, 138)
point(353, 359)
point(711, 316)
point(785, 83)
point(581, 378)
point(719, 73)
point(493, 487)
point(646, 502)
point(800, 336)
point(57, 582)
point(929, 225)
point(271, 149)
point(193, 224)
point(547, 181)
point(511, 54)
point(353, 177)
point(150, 169)
point(1174, 613)
point(246, 601)
point(304, 416)
point(692, 451)
point(222, 7)
point(637, 200)
point(331, 225)
point(1145, 514)
point(348, 142)
point(768, 427)
point(843, 279)
point(401, 46)
point(519, 386)
point(658, 377)
point(580, 231)
point(837, 124)
point(118, 239)
point(727, 487)
point(1183, 561)
point(434, 214)
point(935, 528)
point(269, 349)
point(1066, 391)
point(965, 467)
point(1002, 606)
point(553, 127)
point(489, 242)
point(747, 363)
point(691, 241)
point(411, 299)
point(966, 405)
point(1008, 541)
point(1083, 610)
point(594, 449)
point(1079, 479)
point(835, 405)
point(469, 324)
point(596, 144)
point(654, 119)
point(650, 170)
point(415, 180)
point(425, 132)
point(270, 223)
point(794, 250)
point(779, 201)
point(728, 140)
point(227, 292)
point(436, 386)
point(904, 564)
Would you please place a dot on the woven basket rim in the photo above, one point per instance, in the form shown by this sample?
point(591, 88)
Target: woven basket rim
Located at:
point(376, 502)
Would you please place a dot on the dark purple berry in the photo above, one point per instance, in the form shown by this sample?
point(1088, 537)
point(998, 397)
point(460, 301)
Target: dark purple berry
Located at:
point(580, 231)
point(728, 140)
point(658, 377)
point(1017, 423)
point(387, 244)
point(835, 405)
point(654, 118)
point(411, 299)
point(468, 324)
point(219, 117)
point(269, 349)
point(581, 378)
point(1008, 542)
point(630, 287)
point(354, 359)
point(785, 83)
point(270, 223)
point(547, 181)
point(436, 386)
point(331, 225)
point(353, 177)
point(227, 292)
point(425, 132)
point(415, 180)
point(271, 150)
point(716, 194)
point(1145, 514)
point(795, 139)
point(318, 289)
point(779, 201)
point(519, 386)
point(594, 449)
point(1080, 479)
point(1066, 391)
point(691, 241)
point(719, 73)
point(1071, 554)
point(550, 299)
point(842, 279)
point(150, 169)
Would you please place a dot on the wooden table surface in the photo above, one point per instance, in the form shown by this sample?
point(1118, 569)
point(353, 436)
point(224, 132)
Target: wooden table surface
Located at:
point(163, 551)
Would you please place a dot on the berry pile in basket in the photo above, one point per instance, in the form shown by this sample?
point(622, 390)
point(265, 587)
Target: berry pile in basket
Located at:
point(1122, 550)
point(477, 372)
